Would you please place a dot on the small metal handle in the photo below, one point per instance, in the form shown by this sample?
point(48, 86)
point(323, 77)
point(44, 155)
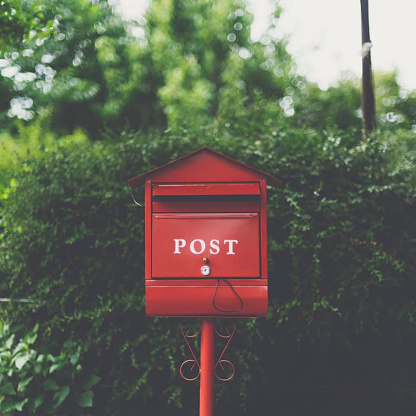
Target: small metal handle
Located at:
point(134, 200)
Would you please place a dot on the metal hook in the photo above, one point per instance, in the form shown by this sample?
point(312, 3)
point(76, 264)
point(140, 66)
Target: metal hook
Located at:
point(140, 205)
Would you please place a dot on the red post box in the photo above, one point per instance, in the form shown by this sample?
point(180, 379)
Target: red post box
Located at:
point(205, 237)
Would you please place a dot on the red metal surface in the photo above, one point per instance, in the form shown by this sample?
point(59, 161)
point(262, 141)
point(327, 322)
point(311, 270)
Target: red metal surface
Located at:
point(206, 396)
point(230, 242)
point(197, 189)
point(263, 229)
point(204, 165)
point(148, 229)
point(198, 300)
point(203, 282)
point(205, 220)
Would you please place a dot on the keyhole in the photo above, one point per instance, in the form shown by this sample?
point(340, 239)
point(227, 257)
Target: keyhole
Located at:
point(205, 270)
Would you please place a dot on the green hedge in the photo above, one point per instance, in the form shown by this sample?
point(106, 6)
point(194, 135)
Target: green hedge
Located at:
point(340, 331)
point(33, 380)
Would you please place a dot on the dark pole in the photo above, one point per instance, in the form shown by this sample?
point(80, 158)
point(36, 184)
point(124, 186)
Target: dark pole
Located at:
point(367, 98)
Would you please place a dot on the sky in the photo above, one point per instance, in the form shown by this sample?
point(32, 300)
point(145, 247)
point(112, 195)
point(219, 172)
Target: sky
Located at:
point(325, 35)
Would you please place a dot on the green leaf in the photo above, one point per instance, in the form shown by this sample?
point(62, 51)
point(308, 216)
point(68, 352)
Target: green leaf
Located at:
point(21, 348)
point(7, 406)
point(8, 389)
point(90, 382)
point(24, 383)
point(34, 403)
point(31, 338)
point(21, 361)
point(55, 367)
point(74, 358)
point(60, 395)
point(50, 384)
point(9, 342)
point(37, 368)
point(85, 400)
point(50, 358)
point(19, 406)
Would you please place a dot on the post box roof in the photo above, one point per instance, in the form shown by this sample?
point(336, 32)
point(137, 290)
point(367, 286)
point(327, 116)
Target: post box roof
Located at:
point(204, 165)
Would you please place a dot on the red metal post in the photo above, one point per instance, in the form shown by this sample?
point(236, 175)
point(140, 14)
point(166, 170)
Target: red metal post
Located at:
point(206, 388)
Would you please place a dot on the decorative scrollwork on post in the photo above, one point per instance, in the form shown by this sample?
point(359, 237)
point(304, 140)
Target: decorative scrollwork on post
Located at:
point(222, 373)
point(187, 335)
point(221, 363)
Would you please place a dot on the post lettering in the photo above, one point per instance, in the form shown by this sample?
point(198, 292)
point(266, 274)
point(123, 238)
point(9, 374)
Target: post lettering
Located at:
point(192, 246)
point(214, 246)
point(198, 246)
point(230, 245)
point(179, 243)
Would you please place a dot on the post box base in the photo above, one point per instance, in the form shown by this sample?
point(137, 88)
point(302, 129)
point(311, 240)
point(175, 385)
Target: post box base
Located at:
point(218, 299)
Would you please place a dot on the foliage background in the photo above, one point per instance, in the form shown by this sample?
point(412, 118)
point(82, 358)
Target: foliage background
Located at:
point(88, 101)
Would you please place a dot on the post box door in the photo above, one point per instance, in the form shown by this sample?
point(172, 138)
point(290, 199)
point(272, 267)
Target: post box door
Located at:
point(205, 245)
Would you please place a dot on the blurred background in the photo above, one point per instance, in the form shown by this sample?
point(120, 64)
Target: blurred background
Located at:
point(94, 92)
point(324, 36)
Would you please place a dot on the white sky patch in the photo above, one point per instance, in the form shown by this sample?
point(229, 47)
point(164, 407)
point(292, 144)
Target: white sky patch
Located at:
point(132, 9)
point(325, 35)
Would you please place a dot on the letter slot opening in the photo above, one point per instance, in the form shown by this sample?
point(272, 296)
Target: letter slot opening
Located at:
point(206, 197)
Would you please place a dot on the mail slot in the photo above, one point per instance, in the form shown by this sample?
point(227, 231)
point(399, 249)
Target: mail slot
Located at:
point(205, 237)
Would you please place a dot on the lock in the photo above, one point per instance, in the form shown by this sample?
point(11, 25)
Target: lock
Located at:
point(205, 270)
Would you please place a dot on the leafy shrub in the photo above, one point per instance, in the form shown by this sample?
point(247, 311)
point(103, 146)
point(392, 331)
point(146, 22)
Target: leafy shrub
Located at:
point(342, 269)
point(36, 383)
point(30, 141)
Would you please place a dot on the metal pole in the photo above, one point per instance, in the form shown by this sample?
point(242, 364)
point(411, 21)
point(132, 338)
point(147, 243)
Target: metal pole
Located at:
point(206, 392)
point(368, 102)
